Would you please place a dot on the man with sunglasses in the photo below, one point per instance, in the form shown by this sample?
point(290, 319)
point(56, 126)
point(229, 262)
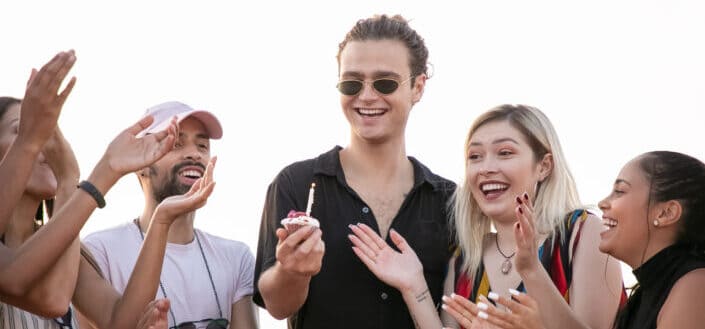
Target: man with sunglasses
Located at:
point(312, 276)
point(207, 279)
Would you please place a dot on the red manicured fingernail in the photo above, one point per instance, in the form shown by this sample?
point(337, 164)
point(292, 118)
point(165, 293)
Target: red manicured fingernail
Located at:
point(521, 211)
point(526, 196)
point(519, 200)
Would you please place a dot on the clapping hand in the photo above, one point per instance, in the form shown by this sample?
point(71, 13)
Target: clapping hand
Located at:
point(521, 312)
point(128, 153)
point(401, 270)
point(525, 235)
point(155, 315)
point(176, 205)
point(42, 101)
point(462, 310)
point(61, 159)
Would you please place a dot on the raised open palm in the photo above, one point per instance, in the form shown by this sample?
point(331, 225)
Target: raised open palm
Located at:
point(400, 270)
point(128, 153)
point(42, 101)
point(195, 198)
point(525, 235)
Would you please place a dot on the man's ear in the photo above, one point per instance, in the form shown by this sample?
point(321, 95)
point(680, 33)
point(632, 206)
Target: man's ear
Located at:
point(669, 212)
point(419, 84)
point(545, 166)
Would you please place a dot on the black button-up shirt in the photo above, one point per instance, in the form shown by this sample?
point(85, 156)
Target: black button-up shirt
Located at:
point(345, 294)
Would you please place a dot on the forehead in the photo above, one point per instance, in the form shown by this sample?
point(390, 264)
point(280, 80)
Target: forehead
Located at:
point(495, 130)
point(372, 56)
point(192, 126)
point(632, 173)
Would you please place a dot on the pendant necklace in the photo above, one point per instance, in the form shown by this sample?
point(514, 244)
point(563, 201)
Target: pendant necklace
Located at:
point(507, 263)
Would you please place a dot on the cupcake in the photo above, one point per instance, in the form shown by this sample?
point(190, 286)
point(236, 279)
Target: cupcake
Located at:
point(298, 219)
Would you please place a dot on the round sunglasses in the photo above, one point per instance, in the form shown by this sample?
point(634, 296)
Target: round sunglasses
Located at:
point(383, 86)
point(212, 324)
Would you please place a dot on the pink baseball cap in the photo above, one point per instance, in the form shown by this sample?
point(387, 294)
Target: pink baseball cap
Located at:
point(163, 113)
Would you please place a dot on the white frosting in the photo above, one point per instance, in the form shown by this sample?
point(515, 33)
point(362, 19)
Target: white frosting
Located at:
point(301, 220)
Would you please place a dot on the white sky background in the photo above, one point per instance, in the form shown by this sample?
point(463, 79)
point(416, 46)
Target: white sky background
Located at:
point(617, 78)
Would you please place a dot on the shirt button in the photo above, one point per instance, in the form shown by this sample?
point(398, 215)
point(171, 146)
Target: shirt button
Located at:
point(384, 296)
point(365, 210)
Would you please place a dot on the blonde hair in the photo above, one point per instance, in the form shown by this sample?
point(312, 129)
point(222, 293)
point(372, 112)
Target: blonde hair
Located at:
point(556, 195)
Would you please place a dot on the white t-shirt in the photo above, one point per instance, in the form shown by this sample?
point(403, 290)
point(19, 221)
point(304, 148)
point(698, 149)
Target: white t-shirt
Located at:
point(184, 275)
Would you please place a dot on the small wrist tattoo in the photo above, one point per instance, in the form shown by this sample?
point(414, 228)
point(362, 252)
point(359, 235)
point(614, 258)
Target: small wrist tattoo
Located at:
point(422, 296)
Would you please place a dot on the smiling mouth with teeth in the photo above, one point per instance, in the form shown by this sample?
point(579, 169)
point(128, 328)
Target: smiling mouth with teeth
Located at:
point(609, 223)
point(193, 174)
point(493, 187)
point(370, 112)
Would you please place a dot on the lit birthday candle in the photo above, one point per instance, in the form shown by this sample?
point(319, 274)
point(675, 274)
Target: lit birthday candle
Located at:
point(310, 199)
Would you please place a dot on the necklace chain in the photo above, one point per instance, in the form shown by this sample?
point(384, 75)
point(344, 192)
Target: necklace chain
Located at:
point(496, 240)
point(161, 285)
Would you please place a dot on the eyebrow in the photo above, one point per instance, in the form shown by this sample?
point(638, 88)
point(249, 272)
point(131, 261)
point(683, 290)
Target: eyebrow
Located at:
point(375, 74)
point(619, 180)
point(497, 141)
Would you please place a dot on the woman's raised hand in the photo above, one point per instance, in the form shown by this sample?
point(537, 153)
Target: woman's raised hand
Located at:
point(128, 153)
point(42, 100)
point(155, 315)
point(61, 159)
point(526, 236)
